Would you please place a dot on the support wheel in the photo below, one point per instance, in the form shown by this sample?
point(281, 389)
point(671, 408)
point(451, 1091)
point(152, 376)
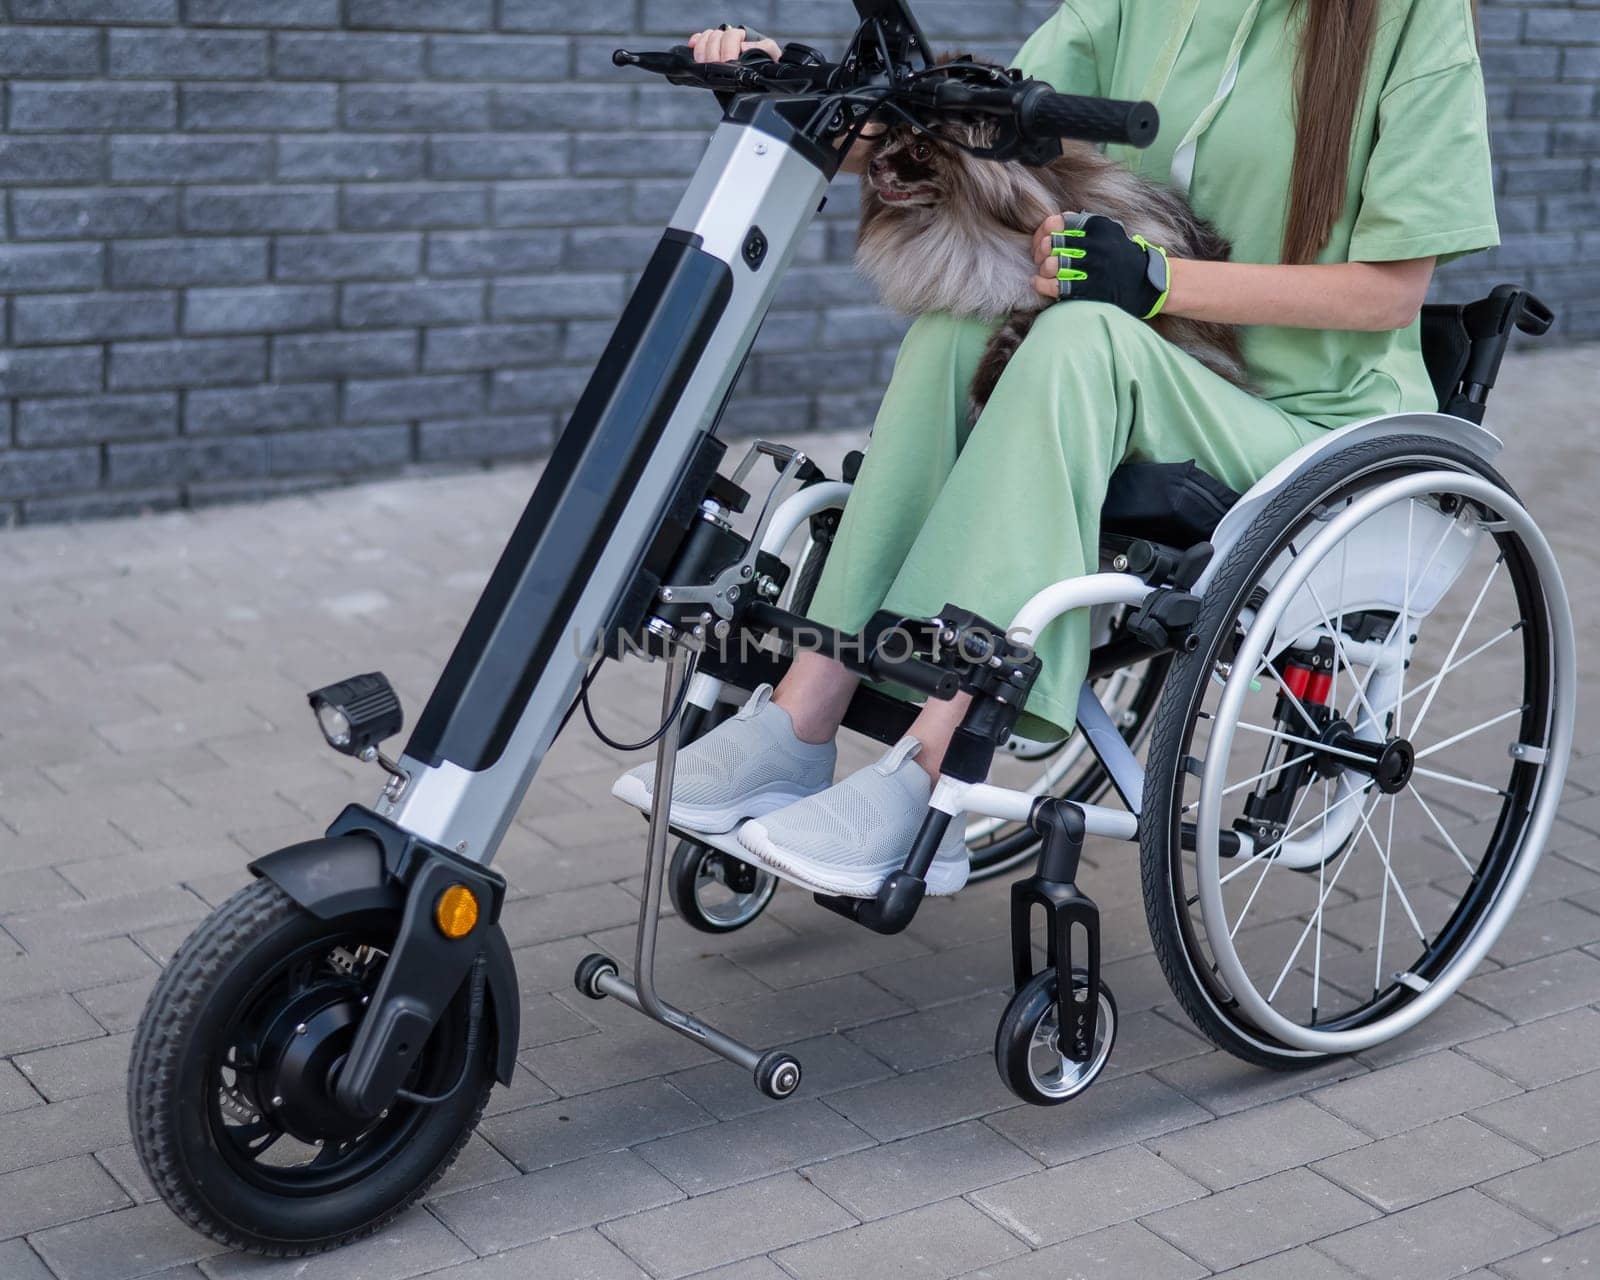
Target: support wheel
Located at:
point(589, 972)
point(1027, 1044)
point(778, 1074)
point(715, 892)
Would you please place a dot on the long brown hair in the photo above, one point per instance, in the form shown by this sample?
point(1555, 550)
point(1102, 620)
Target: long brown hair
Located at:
point(1335, 47)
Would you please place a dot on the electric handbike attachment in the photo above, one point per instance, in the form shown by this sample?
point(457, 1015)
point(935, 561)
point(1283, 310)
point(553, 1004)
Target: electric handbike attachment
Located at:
point(318, 1051)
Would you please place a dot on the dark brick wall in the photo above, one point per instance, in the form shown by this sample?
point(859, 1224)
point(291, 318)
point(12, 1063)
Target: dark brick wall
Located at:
point(254, 245)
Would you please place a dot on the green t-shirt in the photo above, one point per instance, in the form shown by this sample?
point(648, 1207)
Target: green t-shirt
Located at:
point(1420, 178)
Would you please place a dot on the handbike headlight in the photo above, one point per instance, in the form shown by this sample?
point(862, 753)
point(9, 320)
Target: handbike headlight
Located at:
point(357, 714)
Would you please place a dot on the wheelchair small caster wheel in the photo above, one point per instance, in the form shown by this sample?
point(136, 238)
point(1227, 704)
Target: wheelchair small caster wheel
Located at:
point(715, 892)
point(778, 1075)
point(590, 970)
point(1027, 1044)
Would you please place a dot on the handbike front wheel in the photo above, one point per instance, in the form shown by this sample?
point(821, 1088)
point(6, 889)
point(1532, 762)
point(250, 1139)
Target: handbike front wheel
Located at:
point(230, 1082)
point(1389, 813)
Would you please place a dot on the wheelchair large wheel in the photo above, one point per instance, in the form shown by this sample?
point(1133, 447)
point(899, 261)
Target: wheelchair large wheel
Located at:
point(1355, 771)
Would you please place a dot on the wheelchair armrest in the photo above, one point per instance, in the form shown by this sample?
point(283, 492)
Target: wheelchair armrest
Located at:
point(1463, 346)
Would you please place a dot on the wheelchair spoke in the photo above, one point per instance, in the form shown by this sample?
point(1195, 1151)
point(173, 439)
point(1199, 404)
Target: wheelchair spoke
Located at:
point(1267, 854)
point(1468, 733)
point(1344, 657)
point(1254, 778)
point(1472, 613)
point(1316, 919)
point(1388, 872)
point(1316, 955)
point(1432, 682)
point(1300, 742)
point(1383, 916)
point(1291, 832)
point(1439, 827)
point(1454, 781)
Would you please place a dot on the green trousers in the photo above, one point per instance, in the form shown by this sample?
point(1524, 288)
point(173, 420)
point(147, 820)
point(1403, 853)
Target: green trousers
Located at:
point(983, 516)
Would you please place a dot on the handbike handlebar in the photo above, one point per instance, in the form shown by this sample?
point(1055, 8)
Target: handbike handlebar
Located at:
point(1041, 113)
point(1035, 112)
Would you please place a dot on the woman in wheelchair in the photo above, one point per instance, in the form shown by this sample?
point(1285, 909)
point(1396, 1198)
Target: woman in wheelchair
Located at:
point(1342, 146)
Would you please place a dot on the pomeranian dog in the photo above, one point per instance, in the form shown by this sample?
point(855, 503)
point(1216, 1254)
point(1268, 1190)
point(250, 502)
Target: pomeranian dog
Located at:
point(943, 230)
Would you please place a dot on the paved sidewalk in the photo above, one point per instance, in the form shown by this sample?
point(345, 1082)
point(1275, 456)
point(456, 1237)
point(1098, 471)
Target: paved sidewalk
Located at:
point(154, 736)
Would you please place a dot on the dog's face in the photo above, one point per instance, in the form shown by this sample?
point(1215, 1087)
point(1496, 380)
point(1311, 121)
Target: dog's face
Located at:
point(909, 168)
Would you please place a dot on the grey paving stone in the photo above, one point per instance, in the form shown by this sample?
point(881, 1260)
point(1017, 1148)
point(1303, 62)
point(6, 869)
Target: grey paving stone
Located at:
point(1221, 1083)
point(59, 928)
point(116, 1246)
point(1252, 1144)
point(33, 1199)
point(41, 1021)
point(1444, 1029)
point(1542, 1052)
point(1111, 1114)
point(19, 1262)
point(1550, 1120)
point(1086, 1195)
point(15, 1091)
point(931, 1036)
point(476, 1166)
point(1420, 1164)
point(922, 1100)
point(1300, 1263)
point(537, 1137)
point(123, 1165)
point(75, 1127)
point(117, 1005)
point(727, 1226)
point(88, 1066)
point(800, 1012)
point(947, 975)
point(926, 1244)
point(580, 1255)
point(828, 1064)
point(1565, 1259)
point(1116, 1253)
point(1533, 990)
point(521, 1210)
point(1413, 1093)
point(412, 1245)
point(935, 1166)
point(754, 1146)
point(1562, 1192)
point(1259, 1218)
point(1443, 1237)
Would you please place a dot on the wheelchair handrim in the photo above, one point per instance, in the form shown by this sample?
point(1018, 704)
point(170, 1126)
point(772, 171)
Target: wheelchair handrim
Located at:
point(1468, 952)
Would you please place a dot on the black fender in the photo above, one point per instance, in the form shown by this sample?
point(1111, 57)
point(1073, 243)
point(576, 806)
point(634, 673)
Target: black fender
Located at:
point(341, 875)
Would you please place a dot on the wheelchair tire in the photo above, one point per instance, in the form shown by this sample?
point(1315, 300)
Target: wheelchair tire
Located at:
point(1026, 1052)
point(1350, 486)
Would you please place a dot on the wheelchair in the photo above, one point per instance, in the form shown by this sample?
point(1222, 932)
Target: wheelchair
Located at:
point(1327, 845)
point(1326, 855)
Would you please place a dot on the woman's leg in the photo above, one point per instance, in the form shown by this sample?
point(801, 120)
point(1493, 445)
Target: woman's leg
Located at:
point(919, 432)
point(1090, 388)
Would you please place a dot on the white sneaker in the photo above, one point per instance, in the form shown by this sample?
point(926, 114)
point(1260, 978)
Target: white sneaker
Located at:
point(746, 767)
point(848, 839)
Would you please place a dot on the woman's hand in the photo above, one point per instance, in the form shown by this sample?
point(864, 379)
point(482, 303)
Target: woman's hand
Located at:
point(1094, 259)
point(1369, 297)
point(725, 44)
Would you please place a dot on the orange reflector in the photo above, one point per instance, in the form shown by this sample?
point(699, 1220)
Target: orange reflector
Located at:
point(456, 911)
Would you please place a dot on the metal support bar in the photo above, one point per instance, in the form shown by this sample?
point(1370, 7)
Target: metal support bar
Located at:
point(641, 993)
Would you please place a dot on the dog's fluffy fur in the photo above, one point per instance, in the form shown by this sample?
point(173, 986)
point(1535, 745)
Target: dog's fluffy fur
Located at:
point(942, 230)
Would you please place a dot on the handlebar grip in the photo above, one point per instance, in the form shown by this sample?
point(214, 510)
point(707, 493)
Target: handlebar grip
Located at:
point(1045, 114)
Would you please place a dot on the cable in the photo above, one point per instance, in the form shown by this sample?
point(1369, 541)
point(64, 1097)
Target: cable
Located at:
point(588, 712)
